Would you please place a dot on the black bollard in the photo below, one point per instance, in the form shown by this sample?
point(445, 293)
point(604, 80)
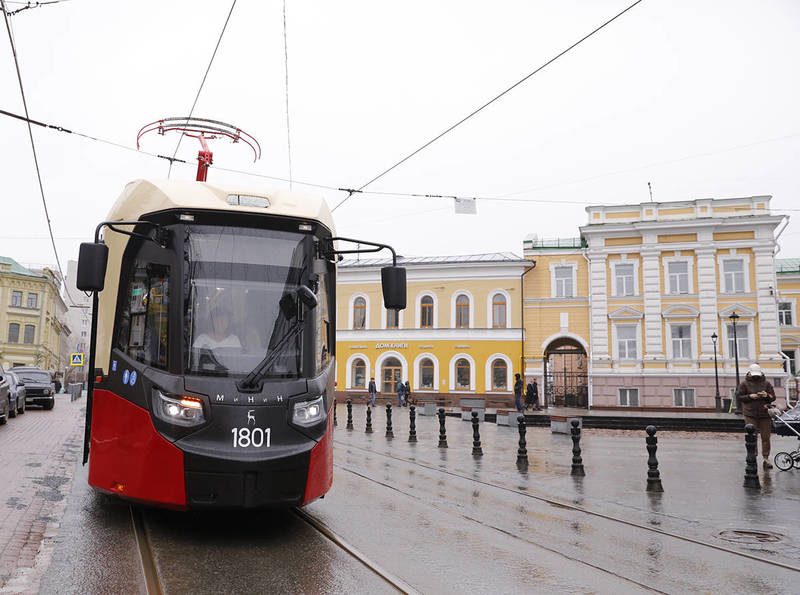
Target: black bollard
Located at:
point(369, 421)
point(522, 451)
point(750, 468)
point(442, 432)
point(577, 461)
point(412, 424)
point(334, 412)
point(653, 474)
point(389, 432)
point(477, 451)
point(349, 414)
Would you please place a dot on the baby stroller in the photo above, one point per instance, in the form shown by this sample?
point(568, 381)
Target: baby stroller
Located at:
point(788, 424)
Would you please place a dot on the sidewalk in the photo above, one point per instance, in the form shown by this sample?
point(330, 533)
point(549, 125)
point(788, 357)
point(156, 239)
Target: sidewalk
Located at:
point(38, 451)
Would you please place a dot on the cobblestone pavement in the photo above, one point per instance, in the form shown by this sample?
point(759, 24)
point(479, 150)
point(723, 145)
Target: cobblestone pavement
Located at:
point(38, 451)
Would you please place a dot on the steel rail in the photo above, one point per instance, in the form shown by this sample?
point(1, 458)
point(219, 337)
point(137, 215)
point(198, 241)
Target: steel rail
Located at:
point(587, 511)
point(322, 528)
point(151, 583)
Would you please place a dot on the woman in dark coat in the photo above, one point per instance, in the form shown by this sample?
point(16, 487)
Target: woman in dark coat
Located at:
point(755, 394)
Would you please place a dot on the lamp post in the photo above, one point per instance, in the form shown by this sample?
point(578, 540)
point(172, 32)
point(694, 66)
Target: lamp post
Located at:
point(717, 401)
point(734, 317)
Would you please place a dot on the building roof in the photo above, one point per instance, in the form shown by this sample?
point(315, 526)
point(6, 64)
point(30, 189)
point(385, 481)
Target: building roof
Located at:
point(508, 257)
point(18, 269)
point(787, 265)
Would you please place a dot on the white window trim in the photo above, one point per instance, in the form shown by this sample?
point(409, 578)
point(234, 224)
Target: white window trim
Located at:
point(489, 319)
point(615, 341)
point(350, 317)
point(751, 340)
point(473, 373)
point(683, 388)
point(471, 299)
point(400, 318)
point(793, 311)
point(349, 372)
point(563, 263)
point(509, 378)
point(689, 271)
point(638, 396)
point(379, 367)
point(692, 337)
point(625, 261)
point(418, 313)
point(418, 374)
point(745, 258)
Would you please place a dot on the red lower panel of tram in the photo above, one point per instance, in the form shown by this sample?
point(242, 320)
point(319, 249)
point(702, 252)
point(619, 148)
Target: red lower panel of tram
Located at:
point(320, 467)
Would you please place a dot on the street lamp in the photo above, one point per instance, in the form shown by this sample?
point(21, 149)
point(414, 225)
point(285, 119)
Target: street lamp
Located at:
point(734, 317)
point(717, 401)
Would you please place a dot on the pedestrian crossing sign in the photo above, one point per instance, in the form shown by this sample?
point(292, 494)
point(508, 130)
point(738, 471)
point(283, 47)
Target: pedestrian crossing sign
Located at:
point(77, 359)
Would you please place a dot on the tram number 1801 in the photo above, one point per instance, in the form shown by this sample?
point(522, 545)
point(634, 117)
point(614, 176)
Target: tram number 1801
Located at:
point(250, 438)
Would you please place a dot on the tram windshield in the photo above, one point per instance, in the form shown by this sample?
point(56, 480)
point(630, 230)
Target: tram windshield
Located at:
point(235, 281)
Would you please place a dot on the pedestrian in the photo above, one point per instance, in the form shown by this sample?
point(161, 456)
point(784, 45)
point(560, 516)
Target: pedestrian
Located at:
point(755, 394)
point(406, 392)
point(529, 396)
point(518, 393)
point(57, 384)
point(536, 396)
point(401, 389)
point(372, 391)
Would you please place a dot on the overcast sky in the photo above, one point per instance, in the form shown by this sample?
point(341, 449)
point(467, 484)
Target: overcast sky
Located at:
point(698, 97)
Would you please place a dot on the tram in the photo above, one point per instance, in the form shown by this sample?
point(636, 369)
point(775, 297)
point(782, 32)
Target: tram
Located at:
point(213, 345)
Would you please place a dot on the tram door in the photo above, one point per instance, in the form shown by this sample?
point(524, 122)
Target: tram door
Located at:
point(392, 373)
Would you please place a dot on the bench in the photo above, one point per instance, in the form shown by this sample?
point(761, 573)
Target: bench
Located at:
point(466, 413)
point(562, 424)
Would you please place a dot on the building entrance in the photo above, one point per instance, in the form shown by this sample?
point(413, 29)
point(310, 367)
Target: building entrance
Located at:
point(392, 372)
point(566, 378)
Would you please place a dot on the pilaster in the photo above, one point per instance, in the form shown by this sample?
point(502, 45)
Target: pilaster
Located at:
point(707, 296)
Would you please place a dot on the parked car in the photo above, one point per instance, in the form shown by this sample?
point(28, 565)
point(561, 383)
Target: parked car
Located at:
point(16, 394)
point(39, 389)
point(3, 397)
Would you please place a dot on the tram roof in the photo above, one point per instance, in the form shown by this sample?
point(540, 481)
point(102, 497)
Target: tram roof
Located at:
point(149, 196)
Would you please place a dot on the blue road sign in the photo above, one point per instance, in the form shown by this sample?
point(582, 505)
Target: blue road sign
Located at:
point(76, 359)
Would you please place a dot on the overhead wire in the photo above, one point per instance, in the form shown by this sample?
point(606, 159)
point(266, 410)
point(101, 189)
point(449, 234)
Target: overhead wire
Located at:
point(286, 71)
point(33, 149)
point(203, 82)
point(490, 102)
point(28, 5)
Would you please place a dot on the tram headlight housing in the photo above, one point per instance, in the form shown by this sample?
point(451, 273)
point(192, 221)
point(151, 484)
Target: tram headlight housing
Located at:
point(178, 410)
point(308, 413)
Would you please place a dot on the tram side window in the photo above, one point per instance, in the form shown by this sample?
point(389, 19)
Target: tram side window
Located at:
point(142, 332)
point(323, 324)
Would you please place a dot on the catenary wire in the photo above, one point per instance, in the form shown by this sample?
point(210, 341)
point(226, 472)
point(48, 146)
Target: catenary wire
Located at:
point(28, 5)
point(33, 149)
point(286, 71)
point(491, 101)
point(203, 82)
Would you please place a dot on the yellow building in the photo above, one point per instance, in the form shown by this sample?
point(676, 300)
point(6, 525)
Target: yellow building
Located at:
point(460, 335)
point(30, 330)
point(633, 312)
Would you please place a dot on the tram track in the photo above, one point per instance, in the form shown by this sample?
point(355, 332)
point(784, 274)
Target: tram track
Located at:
point(567, 506)
point(151, 582)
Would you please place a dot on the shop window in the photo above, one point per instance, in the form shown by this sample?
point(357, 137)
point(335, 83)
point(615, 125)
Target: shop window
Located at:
point(499, 375)
point(359, 313)
point(463, 373)
point(426, 373)
point(498, 311)
point(426, 312)
point(359, 373)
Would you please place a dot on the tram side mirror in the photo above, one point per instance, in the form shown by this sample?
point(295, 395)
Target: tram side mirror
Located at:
point(92, 261)
point(288, 303)
point(307, 297)
point(393, 281)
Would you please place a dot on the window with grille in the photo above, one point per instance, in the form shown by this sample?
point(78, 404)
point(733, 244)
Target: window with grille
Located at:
point(785, 313)
point(426, 312)
point(678, 273)
point(564, 287)
point(359, 313)
point(626, 341)
point(629, 397)
point(681, 341)
point(624, 279)
point(684, 397)
point(733, 274)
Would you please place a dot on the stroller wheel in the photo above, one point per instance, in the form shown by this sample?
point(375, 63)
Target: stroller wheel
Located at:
point(784, 461)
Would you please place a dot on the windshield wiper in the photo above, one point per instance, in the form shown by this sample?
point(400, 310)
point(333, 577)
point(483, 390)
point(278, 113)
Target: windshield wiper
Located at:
point(253, 382)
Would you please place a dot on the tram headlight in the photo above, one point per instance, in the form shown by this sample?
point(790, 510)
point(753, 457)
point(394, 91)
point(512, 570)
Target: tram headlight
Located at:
point(181, 411)
point(308, 413)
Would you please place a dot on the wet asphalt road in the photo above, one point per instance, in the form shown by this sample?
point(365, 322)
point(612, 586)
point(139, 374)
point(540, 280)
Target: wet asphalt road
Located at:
point(445, 522)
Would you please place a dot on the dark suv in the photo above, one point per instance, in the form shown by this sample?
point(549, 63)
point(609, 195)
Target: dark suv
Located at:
point(39, 388)
point(3, 397)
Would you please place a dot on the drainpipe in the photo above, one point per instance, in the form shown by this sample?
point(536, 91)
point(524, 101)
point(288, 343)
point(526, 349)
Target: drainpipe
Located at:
point(522, 317)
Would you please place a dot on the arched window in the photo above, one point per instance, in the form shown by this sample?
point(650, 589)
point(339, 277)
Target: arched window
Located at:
point(462, 374)
point(392, 318)
point(391, 373)
point(13, 333)
point(462, 311)
point(359, 313)
point(359, 373)
point(499, 375)
point(426, 312)
point(426, 374)
point(498, 311)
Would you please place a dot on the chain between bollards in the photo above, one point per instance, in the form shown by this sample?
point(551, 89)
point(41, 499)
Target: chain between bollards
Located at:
point(389, 431)
point(750, 468)
point(412, 424)
point(477, 451)
point(577, 461)
point(653, 474)
point(368, 429)
point(442, 432)
point(349, 414)
point(522, 451)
